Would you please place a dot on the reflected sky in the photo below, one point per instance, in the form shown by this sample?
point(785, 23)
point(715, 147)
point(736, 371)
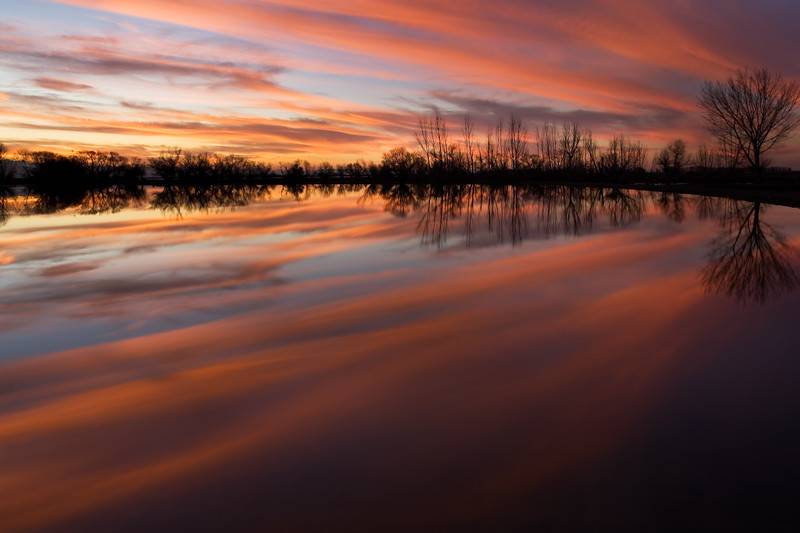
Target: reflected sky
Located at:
point(329, 358)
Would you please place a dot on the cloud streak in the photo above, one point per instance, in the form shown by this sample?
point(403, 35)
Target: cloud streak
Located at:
point(363, 68)
point(61, 85)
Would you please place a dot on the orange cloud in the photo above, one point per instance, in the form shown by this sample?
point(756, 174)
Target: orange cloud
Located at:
point(61, 85)
point(371, 65)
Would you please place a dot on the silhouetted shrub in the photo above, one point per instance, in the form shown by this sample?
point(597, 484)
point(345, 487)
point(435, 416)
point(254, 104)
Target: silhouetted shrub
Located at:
point(80, 171)
point(6, 169)
point(401, 164)
point(673, 158)
point(297, 170)
point(180, 166)
point(326, 171)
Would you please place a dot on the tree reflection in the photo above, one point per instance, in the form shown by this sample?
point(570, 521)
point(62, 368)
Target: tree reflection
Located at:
point(4, 210)
point(565, 210)
point(181, 199)
point(112, 199)
point(507, 213)
point(48, 199)
point(672, 204)
point(750, 260)
point(623, 207)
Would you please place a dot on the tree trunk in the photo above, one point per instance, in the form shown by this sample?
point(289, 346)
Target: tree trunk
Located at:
point(757, 159)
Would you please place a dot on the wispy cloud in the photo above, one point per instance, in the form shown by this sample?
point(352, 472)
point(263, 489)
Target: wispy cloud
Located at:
point(363, 68)
point(61, 85)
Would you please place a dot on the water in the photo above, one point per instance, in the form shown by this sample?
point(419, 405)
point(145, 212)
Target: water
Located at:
point(397, 358)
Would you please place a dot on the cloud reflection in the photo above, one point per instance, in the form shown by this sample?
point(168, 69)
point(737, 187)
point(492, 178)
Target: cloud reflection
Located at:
point(230, 342)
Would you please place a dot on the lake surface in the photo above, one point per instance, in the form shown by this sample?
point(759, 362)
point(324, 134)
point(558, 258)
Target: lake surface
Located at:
point(347, 358)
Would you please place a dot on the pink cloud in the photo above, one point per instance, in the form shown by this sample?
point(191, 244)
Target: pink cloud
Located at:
point(61, 85)
point(639, 64)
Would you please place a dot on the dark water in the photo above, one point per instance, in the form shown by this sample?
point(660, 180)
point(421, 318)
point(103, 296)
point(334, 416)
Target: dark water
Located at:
point(408, 358)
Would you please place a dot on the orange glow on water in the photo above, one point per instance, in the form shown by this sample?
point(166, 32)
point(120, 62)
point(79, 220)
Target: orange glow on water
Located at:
point(281, 345)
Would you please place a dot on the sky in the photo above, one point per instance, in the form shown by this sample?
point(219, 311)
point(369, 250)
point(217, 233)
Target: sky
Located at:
point(287, 79)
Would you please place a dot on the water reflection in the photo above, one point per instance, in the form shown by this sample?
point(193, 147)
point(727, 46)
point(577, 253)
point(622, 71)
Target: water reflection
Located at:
point(296, 357)
point(750, 260)
point(180, 199)
point(4, 209)
point(51, 200)
point(672, 205)
point(510, 213)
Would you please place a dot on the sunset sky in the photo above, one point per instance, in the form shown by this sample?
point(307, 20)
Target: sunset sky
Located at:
point(289, 79)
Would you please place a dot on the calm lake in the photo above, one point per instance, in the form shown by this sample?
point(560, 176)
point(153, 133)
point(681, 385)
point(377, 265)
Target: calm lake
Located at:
point(373, 358)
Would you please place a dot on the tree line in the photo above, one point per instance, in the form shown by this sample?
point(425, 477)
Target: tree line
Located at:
point(748, 115)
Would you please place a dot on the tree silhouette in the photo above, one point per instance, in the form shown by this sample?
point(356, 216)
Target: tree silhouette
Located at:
point(672, 159)
point(753, 112)
point(5, 178)
point(400, 164)
point(6, 170)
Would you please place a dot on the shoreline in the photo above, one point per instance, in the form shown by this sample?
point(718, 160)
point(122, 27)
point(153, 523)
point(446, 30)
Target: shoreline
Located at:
point(785, 193)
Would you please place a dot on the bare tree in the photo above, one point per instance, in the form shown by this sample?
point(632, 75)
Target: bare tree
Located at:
point(5, 165)
point(425, 139)
point(399, 163)
point(570, 146)
point(672, 159)
point(705, 159)
point(516, 143)
point(548, 146)
point(493, 156)
point(487, 155)
point(434, 142)
point(623, 156)
point(592, 151)
point(729, 153)
point(501, 161)
point(469, 144)
point(754, 109)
